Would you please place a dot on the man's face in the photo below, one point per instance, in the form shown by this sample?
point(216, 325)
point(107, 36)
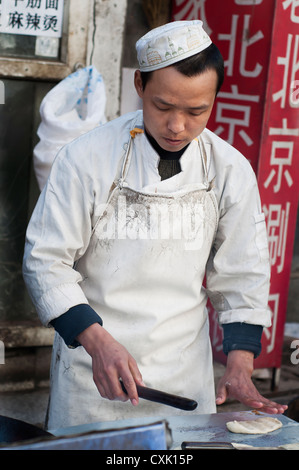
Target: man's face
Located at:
point(176, 108)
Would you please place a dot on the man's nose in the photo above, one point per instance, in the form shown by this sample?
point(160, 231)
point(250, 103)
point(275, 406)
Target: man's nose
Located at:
point(176, 123)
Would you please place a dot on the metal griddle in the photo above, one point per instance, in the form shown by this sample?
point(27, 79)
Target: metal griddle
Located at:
point(208, 431)
point(208, 428)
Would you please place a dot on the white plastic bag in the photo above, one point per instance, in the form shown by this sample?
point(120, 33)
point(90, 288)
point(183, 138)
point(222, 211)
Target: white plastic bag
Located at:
point(74, 106)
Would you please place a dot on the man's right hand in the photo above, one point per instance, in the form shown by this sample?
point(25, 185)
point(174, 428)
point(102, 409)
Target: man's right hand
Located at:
point(111, 362)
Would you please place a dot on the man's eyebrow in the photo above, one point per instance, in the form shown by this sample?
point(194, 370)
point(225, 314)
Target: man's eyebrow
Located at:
point(193, 108)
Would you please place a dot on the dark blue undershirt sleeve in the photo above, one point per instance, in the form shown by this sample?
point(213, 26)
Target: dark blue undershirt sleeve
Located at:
point(242, 336)
point(236, 336)
point(73, 322)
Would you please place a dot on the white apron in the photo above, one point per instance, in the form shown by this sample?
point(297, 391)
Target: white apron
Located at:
point(143, 273)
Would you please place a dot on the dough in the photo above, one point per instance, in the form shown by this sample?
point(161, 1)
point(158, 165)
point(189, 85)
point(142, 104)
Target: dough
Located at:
point(289, 446)
point(254, 426)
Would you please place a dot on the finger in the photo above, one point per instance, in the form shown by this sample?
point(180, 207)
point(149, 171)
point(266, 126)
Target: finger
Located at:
point(265, 405)
point(273, 408)
point(273, 404)
point(136, 372)
point(222, 394)
point(113, 387)
point(130, 381)
point(103, 389)
point(111, 391)
point(277, 410)
point(118, 392)
point(105, 383)
point(130, 387)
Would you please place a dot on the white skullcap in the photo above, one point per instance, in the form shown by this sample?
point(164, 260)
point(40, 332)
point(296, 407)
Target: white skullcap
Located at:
point(171, 43)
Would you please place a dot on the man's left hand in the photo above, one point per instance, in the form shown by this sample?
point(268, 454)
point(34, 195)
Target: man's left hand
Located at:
point(236, 383)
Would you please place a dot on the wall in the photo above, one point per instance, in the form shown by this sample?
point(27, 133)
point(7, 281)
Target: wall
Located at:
point(106, 31)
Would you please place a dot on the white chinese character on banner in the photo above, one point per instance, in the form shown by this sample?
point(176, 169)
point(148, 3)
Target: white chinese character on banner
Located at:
point(294, 4)
point(238, 115)
point(195, 9)
point(246, 43)
point(270, 333)
point(291, 65)
point(277, 218)
point(281, 156)
point(231, 37)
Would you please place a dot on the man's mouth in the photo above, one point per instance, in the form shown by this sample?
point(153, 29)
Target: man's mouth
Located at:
point(173, 142)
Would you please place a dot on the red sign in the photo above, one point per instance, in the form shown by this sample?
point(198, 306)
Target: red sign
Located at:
point(278, 172)
point(257, 112)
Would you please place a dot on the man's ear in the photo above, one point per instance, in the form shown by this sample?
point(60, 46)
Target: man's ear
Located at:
point(138, 83)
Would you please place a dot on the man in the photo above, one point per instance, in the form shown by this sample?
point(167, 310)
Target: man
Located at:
point(134, 215)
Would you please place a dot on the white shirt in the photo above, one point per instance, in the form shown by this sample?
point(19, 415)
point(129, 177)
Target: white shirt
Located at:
point(238, 270)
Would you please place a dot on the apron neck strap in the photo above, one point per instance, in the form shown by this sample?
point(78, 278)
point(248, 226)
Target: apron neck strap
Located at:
point(204, 158)
point(127, 157)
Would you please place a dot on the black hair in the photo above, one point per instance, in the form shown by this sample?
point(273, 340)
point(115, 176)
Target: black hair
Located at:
point(208, 59)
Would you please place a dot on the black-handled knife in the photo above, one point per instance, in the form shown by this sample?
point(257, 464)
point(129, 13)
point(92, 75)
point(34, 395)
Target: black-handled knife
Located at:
point(163, 398)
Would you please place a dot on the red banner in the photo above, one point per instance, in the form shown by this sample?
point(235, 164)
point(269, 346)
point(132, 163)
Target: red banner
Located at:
point(257, 112)
point(278, 171)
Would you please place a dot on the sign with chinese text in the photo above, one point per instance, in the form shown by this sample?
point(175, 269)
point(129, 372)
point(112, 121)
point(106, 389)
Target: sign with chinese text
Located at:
point(32, 17)
point(257, 111)
point(278, 173)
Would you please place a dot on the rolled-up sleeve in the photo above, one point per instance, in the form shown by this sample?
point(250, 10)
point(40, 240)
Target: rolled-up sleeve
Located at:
point(238, 270)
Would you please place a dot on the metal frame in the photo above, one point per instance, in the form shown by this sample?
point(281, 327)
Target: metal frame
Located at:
point(74, 43)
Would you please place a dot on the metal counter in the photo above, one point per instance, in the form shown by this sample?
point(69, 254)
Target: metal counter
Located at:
point(210, 428)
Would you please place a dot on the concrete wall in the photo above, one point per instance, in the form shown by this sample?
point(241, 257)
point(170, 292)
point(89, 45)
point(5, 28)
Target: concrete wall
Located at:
point(105, 45)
